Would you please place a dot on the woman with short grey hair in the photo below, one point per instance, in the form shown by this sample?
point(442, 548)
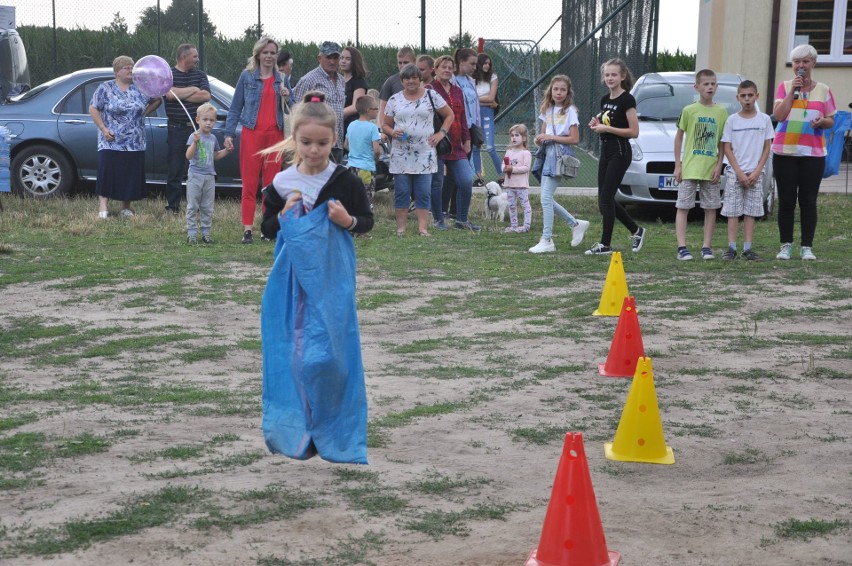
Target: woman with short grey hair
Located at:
point(804, 108)
point(408, 121)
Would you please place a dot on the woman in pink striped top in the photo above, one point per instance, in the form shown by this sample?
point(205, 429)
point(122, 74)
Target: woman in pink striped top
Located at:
point(803, 108)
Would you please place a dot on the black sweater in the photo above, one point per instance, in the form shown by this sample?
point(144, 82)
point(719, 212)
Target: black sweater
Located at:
point(343, 186)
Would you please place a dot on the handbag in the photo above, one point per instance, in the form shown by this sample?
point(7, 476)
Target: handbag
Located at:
point(444, 146)
point(477, 135)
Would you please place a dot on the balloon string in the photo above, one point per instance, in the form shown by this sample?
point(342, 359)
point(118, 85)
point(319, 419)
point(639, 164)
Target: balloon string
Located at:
point(202, 153)
point(191, 123)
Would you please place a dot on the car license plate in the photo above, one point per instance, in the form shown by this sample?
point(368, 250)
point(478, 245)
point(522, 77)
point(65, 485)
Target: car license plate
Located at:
point(668, 182)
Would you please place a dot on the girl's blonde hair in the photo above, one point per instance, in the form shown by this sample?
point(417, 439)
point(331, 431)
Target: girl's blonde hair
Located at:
point(548, 101)
point(627, 81)
point(253, 62)
point(523, 131)
point(312, 108)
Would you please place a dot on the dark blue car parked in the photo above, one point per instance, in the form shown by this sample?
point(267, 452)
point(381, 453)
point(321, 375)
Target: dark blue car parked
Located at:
point(54, 140)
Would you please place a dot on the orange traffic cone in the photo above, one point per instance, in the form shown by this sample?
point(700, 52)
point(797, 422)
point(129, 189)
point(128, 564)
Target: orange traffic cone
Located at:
point(572, 532)
point(627, 345)
point(615, 288)
point(639, 437)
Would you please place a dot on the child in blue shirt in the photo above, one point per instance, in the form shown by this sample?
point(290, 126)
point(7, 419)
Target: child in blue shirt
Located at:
point(362, 142)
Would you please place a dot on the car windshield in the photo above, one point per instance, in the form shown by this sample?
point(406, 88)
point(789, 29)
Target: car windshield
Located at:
point(658, 99)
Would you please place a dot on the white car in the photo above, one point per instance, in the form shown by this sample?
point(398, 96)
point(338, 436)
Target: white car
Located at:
point(660, 97)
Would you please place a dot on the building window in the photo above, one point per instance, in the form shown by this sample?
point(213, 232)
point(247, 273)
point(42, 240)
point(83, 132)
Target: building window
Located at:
point(825, 24)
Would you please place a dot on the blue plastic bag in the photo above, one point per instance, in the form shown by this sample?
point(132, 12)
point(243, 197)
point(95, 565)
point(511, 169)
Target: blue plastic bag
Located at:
point(314, 398)
point(834, 140)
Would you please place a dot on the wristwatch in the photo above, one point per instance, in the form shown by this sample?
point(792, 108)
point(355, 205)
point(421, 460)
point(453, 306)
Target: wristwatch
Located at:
point(444, 131)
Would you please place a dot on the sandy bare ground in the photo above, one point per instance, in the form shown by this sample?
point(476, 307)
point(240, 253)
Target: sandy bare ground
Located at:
point(760, 430)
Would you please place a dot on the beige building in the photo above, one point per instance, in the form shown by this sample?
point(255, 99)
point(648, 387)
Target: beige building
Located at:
point(755, 37)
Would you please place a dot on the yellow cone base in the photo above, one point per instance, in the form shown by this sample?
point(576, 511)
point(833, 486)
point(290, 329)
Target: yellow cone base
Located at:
point(614, 559)
point(611, 455)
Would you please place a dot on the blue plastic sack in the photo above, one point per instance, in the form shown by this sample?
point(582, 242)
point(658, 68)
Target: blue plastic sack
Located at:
point(314, 398)
point(834, 140)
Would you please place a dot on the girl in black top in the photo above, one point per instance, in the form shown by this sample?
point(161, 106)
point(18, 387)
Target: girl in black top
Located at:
point(616, 123)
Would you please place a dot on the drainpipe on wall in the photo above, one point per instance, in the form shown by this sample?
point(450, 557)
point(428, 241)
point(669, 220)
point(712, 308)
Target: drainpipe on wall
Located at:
point(773, 49)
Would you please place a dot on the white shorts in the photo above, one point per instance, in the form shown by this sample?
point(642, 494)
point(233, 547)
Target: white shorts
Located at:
point(711, 197)
point(741, 200)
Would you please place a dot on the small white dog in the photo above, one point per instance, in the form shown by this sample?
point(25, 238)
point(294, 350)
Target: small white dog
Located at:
point(496, 202)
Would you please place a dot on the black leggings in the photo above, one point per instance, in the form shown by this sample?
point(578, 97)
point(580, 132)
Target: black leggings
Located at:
point(615, 158)
point(797, 178)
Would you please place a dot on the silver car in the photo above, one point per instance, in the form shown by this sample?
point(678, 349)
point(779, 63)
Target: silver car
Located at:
point(660, 97)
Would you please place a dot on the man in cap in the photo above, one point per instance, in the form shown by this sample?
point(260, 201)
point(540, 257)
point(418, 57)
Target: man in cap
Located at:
point(327, 79)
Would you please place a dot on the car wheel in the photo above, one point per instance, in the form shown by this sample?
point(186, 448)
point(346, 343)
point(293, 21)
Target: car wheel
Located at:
point(41, 171)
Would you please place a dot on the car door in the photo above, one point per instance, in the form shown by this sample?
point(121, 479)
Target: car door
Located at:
point(77, 130)
point(156, 154)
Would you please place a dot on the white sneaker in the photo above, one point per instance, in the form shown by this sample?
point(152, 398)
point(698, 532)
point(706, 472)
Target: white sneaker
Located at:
point(543, 246)
point(786, 252)
point(578, 232)
point(126, 212)
point(103, 214)
point(807, 253)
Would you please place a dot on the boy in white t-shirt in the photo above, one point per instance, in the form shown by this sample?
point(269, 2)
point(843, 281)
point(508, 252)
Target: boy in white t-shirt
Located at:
point(746, 139)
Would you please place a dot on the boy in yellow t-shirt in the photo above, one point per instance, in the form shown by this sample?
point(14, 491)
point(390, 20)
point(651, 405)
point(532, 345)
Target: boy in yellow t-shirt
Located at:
point(702, 123)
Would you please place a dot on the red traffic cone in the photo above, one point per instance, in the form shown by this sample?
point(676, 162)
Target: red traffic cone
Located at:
point(572, 533)
point(627, 345)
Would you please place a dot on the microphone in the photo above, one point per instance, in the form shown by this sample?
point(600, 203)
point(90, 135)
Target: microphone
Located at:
point(797, 91)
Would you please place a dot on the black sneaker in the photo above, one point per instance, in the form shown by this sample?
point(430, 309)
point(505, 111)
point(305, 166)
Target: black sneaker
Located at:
point(638, 239)
point(750, 255)
point(264, 238)
point(247, 239)
point(206, 239)
point(599, 249)
point(172, 211)
point(467, 226)
point(730, 254)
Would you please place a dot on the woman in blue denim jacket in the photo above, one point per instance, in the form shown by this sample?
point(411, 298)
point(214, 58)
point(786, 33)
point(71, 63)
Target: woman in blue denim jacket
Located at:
point(257, 108)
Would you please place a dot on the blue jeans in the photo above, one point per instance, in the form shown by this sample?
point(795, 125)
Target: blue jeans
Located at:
point(177, 163)
point(549, 205)
point(462, 174)
point(406, 183)
point(487, 114)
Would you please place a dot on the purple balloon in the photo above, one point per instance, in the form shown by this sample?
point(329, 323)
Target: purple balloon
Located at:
point(152, 76)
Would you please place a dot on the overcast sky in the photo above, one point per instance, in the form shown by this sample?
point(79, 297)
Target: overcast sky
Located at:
point(283, 20)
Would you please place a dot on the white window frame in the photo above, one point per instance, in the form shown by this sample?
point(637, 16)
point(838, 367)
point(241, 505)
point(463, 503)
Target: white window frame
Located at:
point(838, 33)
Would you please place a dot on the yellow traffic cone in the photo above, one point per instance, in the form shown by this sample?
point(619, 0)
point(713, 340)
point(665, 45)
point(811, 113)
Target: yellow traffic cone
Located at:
point(639, 437)
point(615, 288)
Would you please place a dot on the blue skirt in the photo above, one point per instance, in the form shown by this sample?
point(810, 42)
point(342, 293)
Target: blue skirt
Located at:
point(121, 175)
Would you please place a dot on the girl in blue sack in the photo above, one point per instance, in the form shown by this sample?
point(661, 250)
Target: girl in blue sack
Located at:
point(314, 399)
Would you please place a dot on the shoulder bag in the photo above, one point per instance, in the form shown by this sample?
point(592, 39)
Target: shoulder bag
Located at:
point(444, 146)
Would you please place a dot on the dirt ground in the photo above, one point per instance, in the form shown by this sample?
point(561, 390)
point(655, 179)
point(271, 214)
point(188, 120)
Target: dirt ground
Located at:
point(760, 431)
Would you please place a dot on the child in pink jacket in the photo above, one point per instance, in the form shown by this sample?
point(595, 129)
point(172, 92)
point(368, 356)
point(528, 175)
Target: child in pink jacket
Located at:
point(516, 167)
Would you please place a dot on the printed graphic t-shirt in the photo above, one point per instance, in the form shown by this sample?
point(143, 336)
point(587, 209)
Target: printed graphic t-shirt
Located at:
point(703, 127)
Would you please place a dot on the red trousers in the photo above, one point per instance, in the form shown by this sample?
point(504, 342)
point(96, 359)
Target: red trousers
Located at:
point(254, 167)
